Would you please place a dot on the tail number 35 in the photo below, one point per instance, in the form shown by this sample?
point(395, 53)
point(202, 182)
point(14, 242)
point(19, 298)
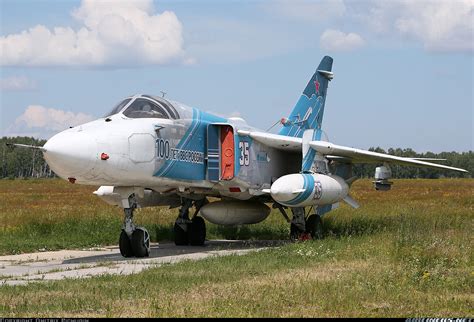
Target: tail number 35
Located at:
point(244, 153)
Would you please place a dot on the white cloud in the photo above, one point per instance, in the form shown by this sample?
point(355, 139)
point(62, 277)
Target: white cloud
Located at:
point(438, 25)
point(335, 40)
point(43, 122)
point(113, 33)
point(17, 83)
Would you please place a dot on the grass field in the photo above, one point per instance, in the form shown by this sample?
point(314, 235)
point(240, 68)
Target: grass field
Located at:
point(404, 253)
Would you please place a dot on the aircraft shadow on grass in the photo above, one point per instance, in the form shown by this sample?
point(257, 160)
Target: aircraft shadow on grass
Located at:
point(169, 249)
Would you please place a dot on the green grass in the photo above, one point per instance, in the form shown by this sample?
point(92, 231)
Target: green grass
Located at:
point(52, 214)
point(320, 278)
point(404, 253)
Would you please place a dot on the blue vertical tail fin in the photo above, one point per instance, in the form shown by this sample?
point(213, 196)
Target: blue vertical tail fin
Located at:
point(308, 111)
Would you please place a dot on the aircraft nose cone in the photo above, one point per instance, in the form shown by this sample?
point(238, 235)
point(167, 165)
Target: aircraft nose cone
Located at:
point(71, 154)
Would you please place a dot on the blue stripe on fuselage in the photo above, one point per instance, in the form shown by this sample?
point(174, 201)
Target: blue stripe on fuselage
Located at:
point(193, 140)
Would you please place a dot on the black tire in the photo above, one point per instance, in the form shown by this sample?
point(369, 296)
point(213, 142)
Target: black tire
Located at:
point(197, 232)
point(140, 242)
point(125, 245)
point(294, 232)
point(180, 236)
point(314, 226)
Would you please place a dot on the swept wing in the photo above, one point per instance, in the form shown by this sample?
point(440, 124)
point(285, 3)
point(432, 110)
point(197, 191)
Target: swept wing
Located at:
point(333, 151)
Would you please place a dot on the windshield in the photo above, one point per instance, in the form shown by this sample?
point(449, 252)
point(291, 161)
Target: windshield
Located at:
point(118, 107)
point(143, 108)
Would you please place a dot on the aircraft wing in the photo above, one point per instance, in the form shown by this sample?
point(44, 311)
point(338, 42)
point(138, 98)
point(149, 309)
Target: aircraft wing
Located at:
point(280, 142)
point(338, 152)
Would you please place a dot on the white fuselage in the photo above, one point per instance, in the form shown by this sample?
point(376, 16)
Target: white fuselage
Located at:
point(129, 145)
point(164, 153)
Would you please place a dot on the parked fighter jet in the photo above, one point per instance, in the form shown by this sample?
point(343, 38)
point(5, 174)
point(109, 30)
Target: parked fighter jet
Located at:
point(151, 151)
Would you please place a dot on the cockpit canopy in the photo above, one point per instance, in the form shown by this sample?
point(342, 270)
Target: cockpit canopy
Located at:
point(117, 108)
point(145, 106)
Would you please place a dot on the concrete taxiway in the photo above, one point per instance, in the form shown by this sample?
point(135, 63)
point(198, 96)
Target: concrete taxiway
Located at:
point(57, 265)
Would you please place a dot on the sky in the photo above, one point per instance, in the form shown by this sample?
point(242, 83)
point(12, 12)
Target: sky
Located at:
point(403, 70)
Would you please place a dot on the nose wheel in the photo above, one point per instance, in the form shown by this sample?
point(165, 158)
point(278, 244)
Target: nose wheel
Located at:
point(125, 245)
point(133, 241)
point(140, 242)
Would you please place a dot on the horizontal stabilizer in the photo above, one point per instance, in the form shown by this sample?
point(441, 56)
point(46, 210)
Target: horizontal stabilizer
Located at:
point(351, 202)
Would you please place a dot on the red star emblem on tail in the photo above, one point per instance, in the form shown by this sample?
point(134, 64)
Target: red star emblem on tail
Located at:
point(316, 85)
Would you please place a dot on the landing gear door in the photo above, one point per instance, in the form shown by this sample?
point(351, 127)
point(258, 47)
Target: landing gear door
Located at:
point(220, 152)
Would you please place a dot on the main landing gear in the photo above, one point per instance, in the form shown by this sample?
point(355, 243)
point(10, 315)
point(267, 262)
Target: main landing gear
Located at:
point(134, 241)
point(190, 231)
point(302, 227)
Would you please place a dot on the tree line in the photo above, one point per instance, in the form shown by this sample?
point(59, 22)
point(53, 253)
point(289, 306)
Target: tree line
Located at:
point(29, 163)
point(21, 162)
point(463, 160)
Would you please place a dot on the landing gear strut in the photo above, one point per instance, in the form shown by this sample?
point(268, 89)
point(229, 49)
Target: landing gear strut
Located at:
point(302, 228)
point(134, 241)
point(190, 231)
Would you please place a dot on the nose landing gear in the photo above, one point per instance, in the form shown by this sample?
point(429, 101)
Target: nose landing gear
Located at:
point(134, 241)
